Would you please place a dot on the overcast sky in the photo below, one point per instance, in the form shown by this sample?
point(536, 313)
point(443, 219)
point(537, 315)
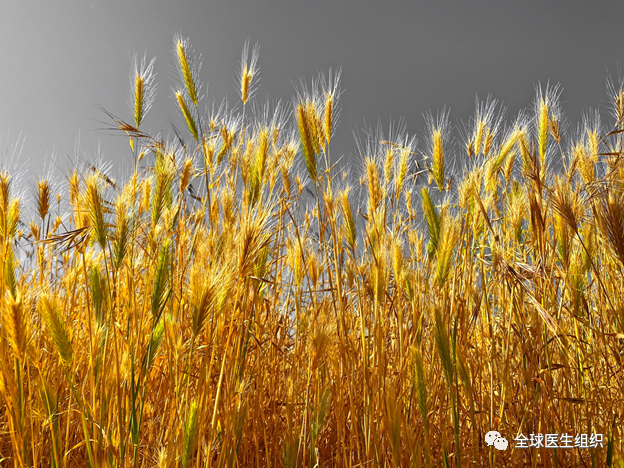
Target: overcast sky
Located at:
point(62, 59)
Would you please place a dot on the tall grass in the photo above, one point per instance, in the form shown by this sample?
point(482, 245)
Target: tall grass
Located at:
point(239, 301)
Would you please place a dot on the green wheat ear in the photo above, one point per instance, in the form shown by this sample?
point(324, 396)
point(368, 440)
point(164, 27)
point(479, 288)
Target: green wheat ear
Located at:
point(160, 291)
point(49, 398)
point(190, 431)
point(433, 221)
point(305, 135)
point(122, 232)
point(56, 328)
point(421, 383)
point(153, 346)
point(98, 285)
point(349, 228)
point(9, 273)
point(443, 343)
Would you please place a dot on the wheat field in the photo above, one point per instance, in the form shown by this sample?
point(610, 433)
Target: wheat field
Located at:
point(241, 299)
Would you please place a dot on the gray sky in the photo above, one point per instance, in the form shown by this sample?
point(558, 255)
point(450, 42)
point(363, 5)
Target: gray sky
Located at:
point(61, 59)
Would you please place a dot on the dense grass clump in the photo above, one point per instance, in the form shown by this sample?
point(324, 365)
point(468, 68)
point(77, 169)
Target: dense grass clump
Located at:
point(239, 301)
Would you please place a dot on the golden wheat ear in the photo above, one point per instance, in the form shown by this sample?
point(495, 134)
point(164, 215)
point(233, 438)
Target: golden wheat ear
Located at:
point(202, 299)
point(187, 175)
point(96, 210)
point(349, 226)
point(400, 172)
point(142, 82)
point(332, 92)
point(249, 71)
point(43, 198)
point(188, 116)
point(546, 108)
point(188, 66)
point(449, 239)
point(438, 130)
point(16, 324)
point(505, 152)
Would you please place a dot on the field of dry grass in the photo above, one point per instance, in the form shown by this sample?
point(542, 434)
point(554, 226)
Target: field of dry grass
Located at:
point(239, 301)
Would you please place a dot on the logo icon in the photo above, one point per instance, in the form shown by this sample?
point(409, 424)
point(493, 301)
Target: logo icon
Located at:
point(494, 438)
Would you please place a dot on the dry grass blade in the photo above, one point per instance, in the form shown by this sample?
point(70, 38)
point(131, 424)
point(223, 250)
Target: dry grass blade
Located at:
point(130, 130)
